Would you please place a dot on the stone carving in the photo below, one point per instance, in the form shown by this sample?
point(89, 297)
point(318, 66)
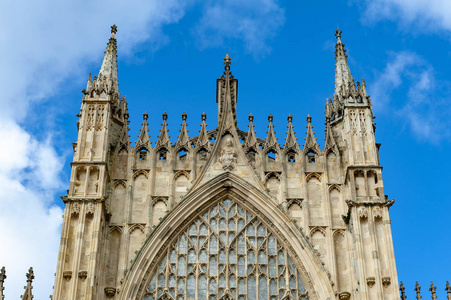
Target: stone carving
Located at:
point(83, 275)
point(110, 292)
point(377, 212)
point(90, 209)
point(227, 156)
point(75, 209)
point(386, 281)
point(67, 275)
point(344, 296)
point(363, 212)
point(371, 281)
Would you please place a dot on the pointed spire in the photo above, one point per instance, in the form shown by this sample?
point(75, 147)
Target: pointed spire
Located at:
point(271, 140)
point(290, 140)
point(343, 76)
point(28, 295)
point(124, 138)
point(226, 93)
point(251, 139)
point(183, 138)
point(108, 70)
point(144, 138)
point(310, 140)
point(330, 141)
point(163, 138)
point(2, 281)
point(202, 139)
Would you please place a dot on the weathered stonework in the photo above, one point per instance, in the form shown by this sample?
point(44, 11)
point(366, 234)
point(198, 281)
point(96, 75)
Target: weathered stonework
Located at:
point(224, 212)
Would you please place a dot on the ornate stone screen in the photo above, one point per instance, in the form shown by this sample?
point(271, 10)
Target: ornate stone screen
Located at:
point(226, 253)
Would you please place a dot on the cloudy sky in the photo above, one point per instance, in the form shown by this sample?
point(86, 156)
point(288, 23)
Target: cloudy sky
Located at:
point(170, 55)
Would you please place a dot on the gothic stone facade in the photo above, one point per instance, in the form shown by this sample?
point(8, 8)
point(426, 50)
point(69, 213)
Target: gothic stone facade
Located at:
point(225, 214)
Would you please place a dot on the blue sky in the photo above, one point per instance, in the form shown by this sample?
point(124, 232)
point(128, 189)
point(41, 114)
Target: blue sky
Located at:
point(170, 55)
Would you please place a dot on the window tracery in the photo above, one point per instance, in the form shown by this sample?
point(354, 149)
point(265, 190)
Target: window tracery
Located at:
point(226, 253)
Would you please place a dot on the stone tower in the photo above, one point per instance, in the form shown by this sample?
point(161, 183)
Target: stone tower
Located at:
point(225, 214)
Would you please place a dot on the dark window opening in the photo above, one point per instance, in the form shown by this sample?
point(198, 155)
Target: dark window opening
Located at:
point(182, 154)
point(212, 139)
point(162, 155)
point(272, 155)
point(251, 156)
point(291, 158)
point(142, 154)
point(311, 157)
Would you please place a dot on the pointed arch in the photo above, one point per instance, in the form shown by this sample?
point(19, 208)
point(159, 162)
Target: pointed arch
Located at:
point(313, 175)
point(220, 188)
point(334, 187)
point(135, 227)
point(118, 182)
point(115, 228)
point(140, 172)
point(181, 173)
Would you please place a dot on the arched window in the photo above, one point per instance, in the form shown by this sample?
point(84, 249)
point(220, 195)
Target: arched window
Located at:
point(142, 154)
point(271, 155)
point(182, 154)
point(311, 157)
point(226, 253)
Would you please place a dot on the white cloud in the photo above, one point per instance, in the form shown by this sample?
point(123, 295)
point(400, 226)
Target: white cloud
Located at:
point(423, 106)
point(47, 43)
point(422, 14)
point(254, 21)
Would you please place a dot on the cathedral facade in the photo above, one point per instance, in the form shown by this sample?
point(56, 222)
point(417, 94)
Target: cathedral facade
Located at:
point(225, 214)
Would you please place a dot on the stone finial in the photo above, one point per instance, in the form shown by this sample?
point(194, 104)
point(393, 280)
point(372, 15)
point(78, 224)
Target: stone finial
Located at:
point(251, 139)
point(163, 138)
point(28, 295)
point(432, 289)
point(143, 137)
point(2, 281)
point(310, 140)
point(417, 289)
point(227, 62)
point(338, 34)
point(403, 293)
point(114, 29)
point(448, 291)
point(202, 139)
point(271, 140)
point(290, 140)
point(183, 138)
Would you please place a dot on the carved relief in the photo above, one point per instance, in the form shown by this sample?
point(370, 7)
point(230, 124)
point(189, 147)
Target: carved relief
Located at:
point(363, 212)
point(377, 212)
point(90, 209)
point(227, 156)
point(75, 209)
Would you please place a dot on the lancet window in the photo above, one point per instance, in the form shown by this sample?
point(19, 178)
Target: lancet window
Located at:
point(226, 253)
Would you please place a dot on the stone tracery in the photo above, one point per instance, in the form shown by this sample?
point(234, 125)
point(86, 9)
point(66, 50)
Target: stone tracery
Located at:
point(226, 251)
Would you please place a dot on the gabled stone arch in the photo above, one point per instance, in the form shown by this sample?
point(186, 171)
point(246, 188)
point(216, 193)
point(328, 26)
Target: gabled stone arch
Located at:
point(135, 227)
point(181, 173)
point(115, 228)
point(222, 187)
point(313, 175)
point(118, 182)
point(140, 172)
point(334, 187)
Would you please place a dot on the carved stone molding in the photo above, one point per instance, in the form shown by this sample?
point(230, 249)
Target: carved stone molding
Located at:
point(370, 281)
point(291, 201)
point(67, 275)
point(386, 281)
point(110, 292)
point(83, 275)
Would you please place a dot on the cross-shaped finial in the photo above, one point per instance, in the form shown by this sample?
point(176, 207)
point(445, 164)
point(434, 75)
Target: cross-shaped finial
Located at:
point(204, 116)
point(184, 116)
point(417, 289)
point(270, 118)
point(251, 117)
point(338, 33)
point(165, 116)
point(227, 62)
point(309, 119)
point(114, 29)
point(290, 118)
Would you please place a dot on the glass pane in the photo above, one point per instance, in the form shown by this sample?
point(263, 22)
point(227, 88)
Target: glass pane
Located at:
point(262, 288)
point(251, 288)
point(202, 287)
point(201, 260)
